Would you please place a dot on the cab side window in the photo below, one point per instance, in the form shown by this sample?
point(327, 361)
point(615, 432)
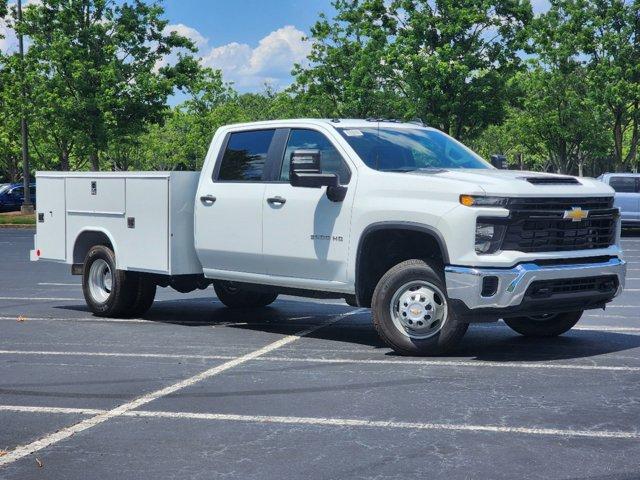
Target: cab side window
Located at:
point(330, 160)
point(245, 155)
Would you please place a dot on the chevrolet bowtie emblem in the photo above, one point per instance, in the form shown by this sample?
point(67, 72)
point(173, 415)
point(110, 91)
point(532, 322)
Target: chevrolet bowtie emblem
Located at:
point(576, 214)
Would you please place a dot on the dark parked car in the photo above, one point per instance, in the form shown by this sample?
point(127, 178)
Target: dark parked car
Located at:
point(12, 196)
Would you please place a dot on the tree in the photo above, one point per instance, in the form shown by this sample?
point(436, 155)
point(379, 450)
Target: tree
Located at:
point(106, 61)
point(604, 35)
point(445, 61)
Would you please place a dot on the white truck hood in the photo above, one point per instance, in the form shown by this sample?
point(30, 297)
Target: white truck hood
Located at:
point(514, 183)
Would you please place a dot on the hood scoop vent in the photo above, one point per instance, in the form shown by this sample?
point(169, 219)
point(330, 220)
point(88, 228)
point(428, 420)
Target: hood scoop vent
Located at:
point(552, 180)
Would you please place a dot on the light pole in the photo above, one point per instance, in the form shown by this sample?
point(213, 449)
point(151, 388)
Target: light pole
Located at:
point(27, 206)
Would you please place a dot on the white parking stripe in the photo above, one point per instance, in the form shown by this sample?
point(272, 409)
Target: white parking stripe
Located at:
point(597, 328)
point(120, 410)
point(426, 363)
point(337, 422)
point(44, 299)
point(118, 354)
point(86, 319)
point(25, 409)
point(141, 320)
point(61, 284)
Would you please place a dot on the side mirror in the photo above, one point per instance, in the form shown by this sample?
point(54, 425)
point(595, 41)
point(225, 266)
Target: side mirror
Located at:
point(499, 161)
point(305, 171)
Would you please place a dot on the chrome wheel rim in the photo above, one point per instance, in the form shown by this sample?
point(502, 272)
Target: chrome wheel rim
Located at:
point(100, 280)
point(419, 309)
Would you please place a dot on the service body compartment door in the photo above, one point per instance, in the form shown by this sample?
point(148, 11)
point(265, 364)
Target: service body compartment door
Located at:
point(146, 234)
point(51, 216)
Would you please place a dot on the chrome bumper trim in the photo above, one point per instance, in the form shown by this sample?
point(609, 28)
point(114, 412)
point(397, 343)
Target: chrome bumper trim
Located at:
point(465, 283)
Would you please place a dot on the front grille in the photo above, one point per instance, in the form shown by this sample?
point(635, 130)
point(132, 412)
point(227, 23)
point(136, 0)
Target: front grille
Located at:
point(538, 224)
point(549, 288)
point(559, 235)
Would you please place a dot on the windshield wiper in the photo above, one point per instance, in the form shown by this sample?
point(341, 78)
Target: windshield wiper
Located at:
point(402, 169)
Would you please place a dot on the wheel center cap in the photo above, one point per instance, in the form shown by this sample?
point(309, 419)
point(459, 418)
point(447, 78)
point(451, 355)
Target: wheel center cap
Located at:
point(416, 310)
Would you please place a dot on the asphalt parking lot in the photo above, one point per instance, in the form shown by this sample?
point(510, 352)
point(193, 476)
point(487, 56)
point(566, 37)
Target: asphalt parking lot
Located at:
point(302, 389)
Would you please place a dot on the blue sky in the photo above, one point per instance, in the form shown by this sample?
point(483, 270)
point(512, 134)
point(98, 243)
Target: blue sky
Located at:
point(253, 42)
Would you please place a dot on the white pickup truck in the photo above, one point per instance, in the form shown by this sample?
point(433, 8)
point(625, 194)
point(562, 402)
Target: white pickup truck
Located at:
point(393, 216)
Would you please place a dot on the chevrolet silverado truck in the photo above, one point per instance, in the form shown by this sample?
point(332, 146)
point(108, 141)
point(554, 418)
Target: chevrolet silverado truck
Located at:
point(396, 217)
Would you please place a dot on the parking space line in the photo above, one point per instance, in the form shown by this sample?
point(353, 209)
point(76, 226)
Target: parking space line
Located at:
point(340, 422)
point(43, 299)
point(26, 409)
point(185, 356)
point(60, 284)
point(454, 363)
point(142, 320)
point(419, 362)
point(120, 410)
point(86, 319)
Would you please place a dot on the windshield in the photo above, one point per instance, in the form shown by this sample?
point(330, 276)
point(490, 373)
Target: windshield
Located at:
point(405, 150)
point(4, 187)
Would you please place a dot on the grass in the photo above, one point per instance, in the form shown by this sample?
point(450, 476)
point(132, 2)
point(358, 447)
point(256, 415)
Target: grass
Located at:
point(14, 218)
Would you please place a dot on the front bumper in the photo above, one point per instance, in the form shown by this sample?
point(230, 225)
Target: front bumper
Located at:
point(465, 286)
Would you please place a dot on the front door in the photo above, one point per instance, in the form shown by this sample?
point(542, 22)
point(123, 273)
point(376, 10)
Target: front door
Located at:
point(228, 212)
point(305, 234)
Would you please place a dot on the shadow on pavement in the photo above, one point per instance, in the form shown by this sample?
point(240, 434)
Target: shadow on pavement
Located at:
point(484, 342)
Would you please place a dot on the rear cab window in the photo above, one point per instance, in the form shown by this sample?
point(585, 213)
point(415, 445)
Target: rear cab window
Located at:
point(245, 155)
point(624, 184)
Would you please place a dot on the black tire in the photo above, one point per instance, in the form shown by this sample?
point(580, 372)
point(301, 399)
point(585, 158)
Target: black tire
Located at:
point(234, 295)
point(145, 294)
point(351, 301)
point(451, 330)
point(550, 325)
point(119, 296)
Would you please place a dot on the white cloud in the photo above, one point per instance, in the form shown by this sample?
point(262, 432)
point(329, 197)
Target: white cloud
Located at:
point(269, 62)
point(249, 68)
point(192, 34)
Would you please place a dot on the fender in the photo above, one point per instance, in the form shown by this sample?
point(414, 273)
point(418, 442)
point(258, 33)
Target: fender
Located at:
point(392, 225)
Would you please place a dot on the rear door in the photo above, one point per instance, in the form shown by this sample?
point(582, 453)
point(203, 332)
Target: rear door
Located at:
point(228, 212)
point(627, 198)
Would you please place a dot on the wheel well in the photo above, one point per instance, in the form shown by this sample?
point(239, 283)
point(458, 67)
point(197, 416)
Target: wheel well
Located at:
point(87, 240)
point(382, 248)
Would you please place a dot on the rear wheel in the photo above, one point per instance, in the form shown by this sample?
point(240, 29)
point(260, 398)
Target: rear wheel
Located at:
point(144, 295)
point(108, 292)
point(544, 325)
point(234, 295)
point(411, 312)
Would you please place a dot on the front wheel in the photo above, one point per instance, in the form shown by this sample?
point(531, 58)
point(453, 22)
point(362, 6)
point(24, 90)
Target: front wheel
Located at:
point(234, 295)
point(544, 325)
point(411, 312)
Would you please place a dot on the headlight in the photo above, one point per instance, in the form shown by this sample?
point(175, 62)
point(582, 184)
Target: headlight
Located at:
point(488, 237)
point(479, 201)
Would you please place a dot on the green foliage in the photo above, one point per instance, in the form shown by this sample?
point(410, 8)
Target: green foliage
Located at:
point(445, 61)
point(104, 59)
point(558, 92)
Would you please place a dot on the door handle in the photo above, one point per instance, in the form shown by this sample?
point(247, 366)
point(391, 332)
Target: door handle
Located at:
point(276, 201)
point(208, 199)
